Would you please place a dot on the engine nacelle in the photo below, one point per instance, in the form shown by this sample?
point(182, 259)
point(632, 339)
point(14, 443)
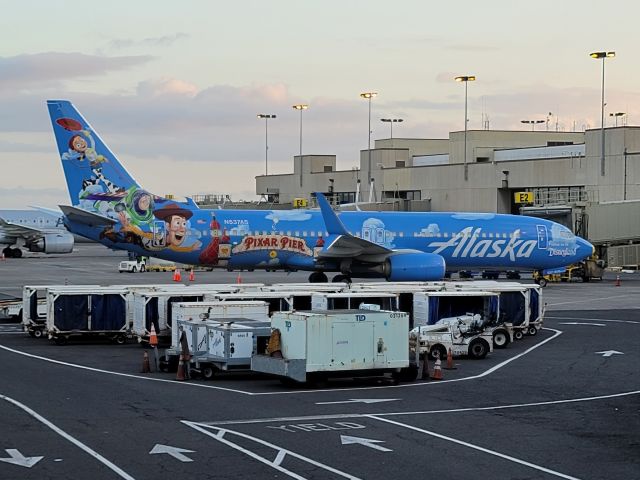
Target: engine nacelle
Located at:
point(416, 267)
point(53, 243)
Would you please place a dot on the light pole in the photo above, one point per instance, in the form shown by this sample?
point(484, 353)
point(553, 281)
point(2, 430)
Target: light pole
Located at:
point(391, 121)
point(266, 117)
point(466, 79)
point(616, 115)
point(369, 96)
point(300, 107)
point(603, 56)
point(533, 123)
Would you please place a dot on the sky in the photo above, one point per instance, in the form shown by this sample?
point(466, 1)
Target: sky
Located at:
point(174, 87)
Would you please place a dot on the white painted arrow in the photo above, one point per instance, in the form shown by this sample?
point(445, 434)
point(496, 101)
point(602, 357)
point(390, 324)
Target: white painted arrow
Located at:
point(367, 442)
point(608, 353)
point(361, 400)
point(583, 323)
point(175, 452)
point(17, 458)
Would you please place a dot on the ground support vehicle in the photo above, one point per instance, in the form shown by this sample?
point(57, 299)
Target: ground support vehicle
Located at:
point(454, 334)
point(220, 345)
point(77, 312)
point(158, 265)
point(313, 346)
point(133, 266)
point(11, 307)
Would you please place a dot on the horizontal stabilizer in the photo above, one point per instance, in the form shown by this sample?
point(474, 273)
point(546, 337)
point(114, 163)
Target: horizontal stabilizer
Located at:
point(78, 215)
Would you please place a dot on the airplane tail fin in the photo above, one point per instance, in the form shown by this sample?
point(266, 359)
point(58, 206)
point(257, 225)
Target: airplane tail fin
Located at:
point(90, 168)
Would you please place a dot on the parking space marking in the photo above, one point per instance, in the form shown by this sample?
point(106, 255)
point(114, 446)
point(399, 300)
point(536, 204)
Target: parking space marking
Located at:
point(68, 437)
point(297, 392)
point(476, 447)
point(280, 456)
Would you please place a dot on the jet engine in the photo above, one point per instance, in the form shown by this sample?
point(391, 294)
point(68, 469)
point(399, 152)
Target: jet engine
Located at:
point(414, 266)
point(53, 243)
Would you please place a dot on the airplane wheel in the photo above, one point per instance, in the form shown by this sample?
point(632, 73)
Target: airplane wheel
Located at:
point(318, 277)
point(341, 278)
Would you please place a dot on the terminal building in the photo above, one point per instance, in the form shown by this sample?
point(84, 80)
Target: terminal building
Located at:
point(563, 176)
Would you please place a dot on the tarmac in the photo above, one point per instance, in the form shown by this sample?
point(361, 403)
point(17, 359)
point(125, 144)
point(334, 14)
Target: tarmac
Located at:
point(562, 404)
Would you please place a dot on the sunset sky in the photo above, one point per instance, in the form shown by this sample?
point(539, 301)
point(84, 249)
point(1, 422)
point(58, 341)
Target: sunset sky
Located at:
point(174, 87)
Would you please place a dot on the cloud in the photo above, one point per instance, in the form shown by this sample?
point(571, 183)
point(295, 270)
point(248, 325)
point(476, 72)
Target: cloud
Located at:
point(41, 69)
point(150, 42)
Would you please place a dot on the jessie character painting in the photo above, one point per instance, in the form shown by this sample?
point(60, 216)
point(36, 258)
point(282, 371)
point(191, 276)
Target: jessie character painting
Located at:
point(209, 255)
point(175, 218)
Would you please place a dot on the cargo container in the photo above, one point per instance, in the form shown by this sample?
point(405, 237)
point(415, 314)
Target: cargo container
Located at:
point(317, 345)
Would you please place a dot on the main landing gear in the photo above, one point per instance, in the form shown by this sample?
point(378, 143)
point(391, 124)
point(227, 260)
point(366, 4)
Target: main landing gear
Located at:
point(12, 253)
point(321, 277)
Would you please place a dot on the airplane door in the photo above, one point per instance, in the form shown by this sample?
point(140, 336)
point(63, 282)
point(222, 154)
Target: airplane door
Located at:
point(159, 236)
point(543, 239)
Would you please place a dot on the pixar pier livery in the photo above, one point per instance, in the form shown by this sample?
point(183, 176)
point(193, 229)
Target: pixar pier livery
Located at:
point(109, 206)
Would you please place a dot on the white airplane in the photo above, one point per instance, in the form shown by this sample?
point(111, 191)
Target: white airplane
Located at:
point(35, 230)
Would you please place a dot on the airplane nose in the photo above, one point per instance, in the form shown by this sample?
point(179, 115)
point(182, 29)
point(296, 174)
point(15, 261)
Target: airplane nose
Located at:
point(585, 249)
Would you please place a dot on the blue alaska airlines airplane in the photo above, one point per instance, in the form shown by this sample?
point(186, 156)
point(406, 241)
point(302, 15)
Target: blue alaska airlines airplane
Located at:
point(109, 206)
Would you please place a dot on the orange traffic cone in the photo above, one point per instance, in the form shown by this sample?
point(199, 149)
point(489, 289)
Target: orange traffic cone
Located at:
point(450, 365)
point(437, 370)
point(177, 277)
point(153, 337)
point(146, 368)
point(239, 278)
point(617, 280)
point(180, 373)
point(192, 275)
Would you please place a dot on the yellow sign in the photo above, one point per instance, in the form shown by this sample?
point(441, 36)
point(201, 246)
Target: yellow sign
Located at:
point(523, 197)
point(299, 202)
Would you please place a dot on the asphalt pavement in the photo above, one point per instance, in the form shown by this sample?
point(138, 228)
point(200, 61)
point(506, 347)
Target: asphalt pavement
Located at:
point(562, 404)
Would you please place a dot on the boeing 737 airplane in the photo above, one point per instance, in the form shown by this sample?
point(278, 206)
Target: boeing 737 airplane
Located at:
point(109, 206)
point(35, 230)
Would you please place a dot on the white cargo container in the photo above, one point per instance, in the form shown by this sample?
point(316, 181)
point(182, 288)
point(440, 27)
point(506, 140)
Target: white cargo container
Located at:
point(205, 311)
point(95, 312)
point(279, 301)
point(351, 342)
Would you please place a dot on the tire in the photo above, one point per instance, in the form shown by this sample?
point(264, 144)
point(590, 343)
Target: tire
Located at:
point(533, 331)
point(32, 333)
point(500, 339)
point(60, 340)
point(143, 268)
point(542, 282)
point(518, 334)
point(120, 339)
point(437, 351)
point(478, 349)
point(208, 372)
point(134, 270)
point(38, 333)
point(318, 277)
point(407, 374)
point(16, 253)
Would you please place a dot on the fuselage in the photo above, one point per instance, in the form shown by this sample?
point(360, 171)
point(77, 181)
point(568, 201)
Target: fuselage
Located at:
point(290, 239)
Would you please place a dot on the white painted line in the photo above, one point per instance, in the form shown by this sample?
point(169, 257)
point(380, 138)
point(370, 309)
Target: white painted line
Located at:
point(480, 449)
point(205, 429)
point(591, 319)
point(297, 392)
point(585, 300)
point(608, 353)
point(17, 458)
point(583, 323)
point(365, 442)
point(360, 400)
point(342, 416)
point(176, 452)
point(68, 437)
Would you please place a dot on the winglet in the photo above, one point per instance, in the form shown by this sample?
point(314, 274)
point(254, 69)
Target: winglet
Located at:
point(331, 220)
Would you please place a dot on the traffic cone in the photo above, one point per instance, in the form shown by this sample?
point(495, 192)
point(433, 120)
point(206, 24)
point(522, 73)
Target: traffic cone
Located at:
point(437, 370)
point(239, 278)
point(450, 365)
point(425, 366)
point(177, 277)
point(153, 337)
point(180, 373)
point(192, 275)
point(146, 368)
point(617, 280)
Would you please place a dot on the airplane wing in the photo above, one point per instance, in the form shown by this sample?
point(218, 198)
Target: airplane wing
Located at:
point(341, 243)
point(85, 217)
point(12, 229)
